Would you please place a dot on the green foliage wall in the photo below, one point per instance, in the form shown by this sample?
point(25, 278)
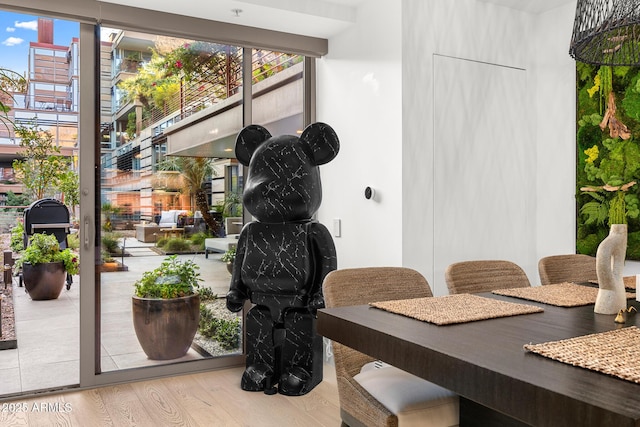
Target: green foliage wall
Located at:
point(608, 155)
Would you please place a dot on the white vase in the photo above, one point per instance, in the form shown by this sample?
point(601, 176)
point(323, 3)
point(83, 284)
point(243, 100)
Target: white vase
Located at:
point(609, 266)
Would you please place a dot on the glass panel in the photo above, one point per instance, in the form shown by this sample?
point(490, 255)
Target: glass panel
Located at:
point(270, 71)
point(161, 172)
point(191, 113)
point(39, 346)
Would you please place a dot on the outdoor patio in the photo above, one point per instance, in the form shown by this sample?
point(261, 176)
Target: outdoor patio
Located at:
point(48, 331)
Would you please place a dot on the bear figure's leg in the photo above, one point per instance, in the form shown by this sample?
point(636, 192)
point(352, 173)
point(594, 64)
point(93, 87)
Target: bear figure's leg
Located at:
point(261, 371)
point(301, 354)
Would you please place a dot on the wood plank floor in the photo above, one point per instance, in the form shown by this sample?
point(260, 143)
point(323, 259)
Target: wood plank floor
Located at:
point(204, 399)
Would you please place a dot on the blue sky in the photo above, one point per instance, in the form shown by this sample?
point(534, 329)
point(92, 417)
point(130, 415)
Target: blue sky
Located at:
point(17, 30)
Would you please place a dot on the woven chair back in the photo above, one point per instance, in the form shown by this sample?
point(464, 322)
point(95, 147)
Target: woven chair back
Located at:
point(484, 276)
point(576, 268)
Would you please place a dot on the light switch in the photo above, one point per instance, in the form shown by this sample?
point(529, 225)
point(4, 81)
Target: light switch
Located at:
point(337, 227)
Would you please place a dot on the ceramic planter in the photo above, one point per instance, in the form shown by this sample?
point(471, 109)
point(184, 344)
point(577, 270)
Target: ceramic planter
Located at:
point(44, 281)
point(165, 327)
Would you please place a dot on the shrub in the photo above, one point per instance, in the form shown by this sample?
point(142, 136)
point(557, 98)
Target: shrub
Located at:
point(105, 256)
point(17, 242)
point(226, 332)
point(229, 255)
point(73, 241)
point(110, 242)
point(206, 294)
point(177, 245)
point(162, 241)
point(198, 238)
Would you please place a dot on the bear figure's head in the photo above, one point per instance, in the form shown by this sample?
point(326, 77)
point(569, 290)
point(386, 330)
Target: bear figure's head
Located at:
point(283, 184)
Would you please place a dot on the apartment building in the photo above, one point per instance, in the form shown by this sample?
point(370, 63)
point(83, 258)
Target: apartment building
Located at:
point(49, 100)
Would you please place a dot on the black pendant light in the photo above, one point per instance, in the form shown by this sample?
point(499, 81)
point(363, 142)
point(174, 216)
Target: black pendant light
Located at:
point(607, 32)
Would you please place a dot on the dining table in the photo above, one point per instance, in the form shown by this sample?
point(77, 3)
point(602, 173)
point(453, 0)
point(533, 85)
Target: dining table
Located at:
point(485, 361)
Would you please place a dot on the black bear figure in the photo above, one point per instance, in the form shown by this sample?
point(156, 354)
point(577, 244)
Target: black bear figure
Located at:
point(283, 257)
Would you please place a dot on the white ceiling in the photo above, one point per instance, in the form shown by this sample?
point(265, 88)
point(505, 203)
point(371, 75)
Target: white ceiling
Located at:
point(317, 18)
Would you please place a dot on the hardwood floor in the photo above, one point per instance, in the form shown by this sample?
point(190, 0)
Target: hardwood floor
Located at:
point(205, 399)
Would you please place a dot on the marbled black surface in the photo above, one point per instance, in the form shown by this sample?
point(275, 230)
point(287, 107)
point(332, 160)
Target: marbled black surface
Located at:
point(283, 257)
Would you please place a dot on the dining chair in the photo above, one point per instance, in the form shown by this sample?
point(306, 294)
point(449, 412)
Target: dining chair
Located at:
point(372, 393)
point(567, 268)
point(484, 276)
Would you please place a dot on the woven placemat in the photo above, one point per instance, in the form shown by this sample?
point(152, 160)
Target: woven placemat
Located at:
point(615, 352)
point(629, 282)
point(450, 309)
point(559, 294)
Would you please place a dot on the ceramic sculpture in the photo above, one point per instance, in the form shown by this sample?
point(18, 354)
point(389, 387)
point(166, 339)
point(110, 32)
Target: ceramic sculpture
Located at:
point(609, 267)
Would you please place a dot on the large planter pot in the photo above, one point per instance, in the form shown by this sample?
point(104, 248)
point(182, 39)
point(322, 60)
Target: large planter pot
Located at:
point(609, 268)
point(165, 327)
point(44, 281)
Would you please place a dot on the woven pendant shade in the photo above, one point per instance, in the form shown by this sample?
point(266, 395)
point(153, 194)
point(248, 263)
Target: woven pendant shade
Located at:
point(607, 32)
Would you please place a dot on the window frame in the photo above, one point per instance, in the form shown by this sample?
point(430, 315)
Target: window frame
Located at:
point(91, 14)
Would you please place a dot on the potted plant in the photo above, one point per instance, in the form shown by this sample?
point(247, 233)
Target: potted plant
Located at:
point(229, 257)
point(45, 267)
point(166, 308)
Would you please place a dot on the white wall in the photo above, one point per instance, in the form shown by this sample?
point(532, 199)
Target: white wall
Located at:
point(555, 100)
point(380, 100)
point(359, 95)
point(483, 164)
point(483, 33)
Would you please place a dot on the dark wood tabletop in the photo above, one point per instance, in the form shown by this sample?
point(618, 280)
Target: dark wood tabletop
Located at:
point(484, 361)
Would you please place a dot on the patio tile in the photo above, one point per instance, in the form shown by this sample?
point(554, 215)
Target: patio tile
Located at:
point(50, 375)
point(9, 359)
point(118, 343)
point(46, 324)
point(10, 381)
point(59, 346)
point(27, 309)
point(48, 331)
point(107, 364)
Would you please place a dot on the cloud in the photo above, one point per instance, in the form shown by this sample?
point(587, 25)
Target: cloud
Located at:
point(27, 25)
point(10, 29)
point(12, 41)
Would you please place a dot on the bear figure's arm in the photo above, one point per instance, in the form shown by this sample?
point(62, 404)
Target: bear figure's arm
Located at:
point(323, 251)
point(238, 294)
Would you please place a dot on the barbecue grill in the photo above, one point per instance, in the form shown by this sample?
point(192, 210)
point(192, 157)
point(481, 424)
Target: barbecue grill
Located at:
point(48, 216)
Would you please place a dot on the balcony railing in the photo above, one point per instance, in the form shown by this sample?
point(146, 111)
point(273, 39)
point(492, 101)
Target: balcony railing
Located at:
point(195, 96)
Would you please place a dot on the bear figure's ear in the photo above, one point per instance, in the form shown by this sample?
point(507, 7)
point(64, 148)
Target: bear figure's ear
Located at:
point(248, 140)
point(323, 142)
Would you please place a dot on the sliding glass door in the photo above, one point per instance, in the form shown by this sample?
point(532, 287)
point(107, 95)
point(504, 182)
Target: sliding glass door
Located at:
point(162, 191)
point(154, 124)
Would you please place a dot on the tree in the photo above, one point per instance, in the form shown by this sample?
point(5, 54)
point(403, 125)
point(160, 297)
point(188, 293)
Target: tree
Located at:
point(10, 82)
point(14, 199)
point(153, 86)
point(194, 171)
point(42, 168)
point(70, 187)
